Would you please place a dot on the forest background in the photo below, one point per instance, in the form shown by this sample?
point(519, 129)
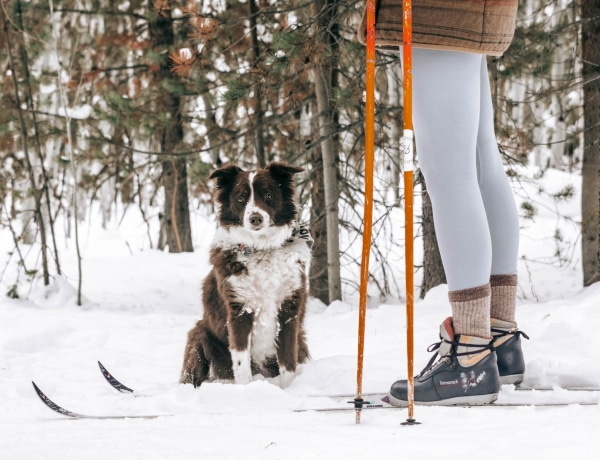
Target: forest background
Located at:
point(111, 107)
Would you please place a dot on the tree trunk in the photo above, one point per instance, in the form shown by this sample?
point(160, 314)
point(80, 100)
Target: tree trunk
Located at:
point(258, 124)
point(330, 185)
point(558, 133)
point(318, 276)
point(395, 126)
point(211, 124)
point(433, 269)
point(35, 192)
point(174, 168)
point(177, 216)
point(590, 187)
point(322, 75)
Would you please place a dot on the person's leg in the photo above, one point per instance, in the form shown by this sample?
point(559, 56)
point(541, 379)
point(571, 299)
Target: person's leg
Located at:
point(447, 101)
point(503, 221)
point(500, 208)
point(446, 107)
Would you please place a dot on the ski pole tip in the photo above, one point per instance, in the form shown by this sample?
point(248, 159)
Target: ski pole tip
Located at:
point(410, 421)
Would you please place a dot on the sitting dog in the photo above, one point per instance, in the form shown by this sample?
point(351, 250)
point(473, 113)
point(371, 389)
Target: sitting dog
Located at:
point(255, 295)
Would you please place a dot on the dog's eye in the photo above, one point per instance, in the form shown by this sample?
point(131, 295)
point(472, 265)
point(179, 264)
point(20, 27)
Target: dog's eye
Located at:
point(241, 199)
point(268, 196)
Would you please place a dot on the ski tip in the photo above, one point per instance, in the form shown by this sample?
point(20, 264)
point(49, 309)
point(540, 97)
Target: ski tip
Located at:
point(113, 381)
point(40, 393)
point(67, 413)
point(37, 389)
point(47, 401)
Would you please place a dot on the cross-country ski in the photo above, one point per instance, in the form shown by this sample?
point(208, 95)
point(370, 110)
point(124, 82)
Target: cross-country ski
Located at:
point(121, 388)
point(67, 413)
point(530, 397)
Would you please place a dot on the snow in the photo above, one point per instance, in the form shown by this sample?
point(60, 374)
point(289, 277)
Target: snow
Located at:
point(140, 303)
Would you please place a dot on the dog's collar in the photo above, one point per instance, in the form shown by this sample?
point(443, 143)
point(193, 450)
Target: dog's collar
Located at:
point(246, 250)
point(299, 234)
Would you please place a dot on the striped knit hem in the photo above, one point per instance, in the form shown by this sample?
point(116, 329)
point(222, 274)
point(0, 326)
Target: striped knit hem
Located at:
point(471, 311)
point(504, 297)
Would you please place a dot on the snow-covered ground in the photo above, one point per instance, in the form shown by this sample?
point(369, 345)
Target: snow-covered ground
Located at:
point(139, 305)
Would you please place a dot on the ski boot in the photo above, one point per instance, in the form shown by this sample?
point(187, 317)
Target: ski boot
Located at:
point(506, 340)
point(465, 373)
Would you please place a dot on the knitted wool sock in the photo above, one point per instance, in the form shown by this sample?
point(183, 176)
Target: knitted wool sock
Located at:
point(504, 297)
point(471, 311)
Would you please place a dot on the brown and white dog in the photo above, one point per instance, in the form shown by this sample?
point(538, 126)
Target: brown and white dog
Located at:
point(255, 295)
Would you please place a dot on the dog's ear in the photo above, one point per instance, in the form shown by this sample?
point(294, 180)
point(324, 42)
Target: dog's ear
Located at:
point(225, 175)
point(282, 171)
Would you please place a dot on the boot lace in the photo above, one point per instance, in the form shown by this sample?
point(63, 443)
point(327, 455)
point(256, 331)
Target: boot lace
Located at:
point(499, 333)
point(434, 347)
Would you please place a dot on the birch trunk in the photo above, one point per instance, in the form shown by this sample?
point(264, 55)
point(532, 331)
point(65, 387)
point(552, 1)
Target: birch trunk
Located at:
point(394, 100)
point(558, 130)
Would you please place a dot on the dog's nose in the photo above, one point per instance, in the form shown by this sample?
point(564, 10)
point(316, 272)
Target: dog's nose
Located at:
point(256, 219)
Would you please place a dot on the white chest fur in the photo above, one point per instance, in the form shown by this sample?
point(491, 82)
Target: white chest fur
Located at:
point(272, 275)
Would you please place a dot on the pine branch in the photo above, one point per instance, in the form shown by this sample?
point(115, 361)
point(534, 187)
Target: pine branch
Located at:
point(163, 8)
point(182, 61)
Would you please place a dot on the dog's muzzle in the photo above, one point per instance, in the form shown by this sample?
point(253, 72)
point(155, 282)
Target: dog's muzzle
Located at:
point(256, 220)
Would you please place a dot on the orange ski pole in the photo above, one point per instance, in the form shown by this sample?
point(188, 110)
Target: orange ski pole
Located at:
point(368, 206)
point(407, 142)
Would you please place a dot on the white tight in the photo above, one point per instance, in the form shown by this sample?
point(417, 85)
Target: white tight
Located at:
point(474, 210)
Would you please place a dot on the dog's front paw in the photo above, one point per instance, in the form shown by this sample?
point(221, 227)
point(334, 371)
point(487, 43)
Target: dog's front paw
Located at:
point(285, 377)
point(242, 371)
point(242, 378)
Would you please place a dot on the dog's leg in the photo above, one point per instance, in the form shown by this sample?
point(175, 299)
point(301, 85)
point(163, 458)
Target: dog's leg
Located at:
point(240, 336)
point(242, 369)
point(195, 362)
point(290, 316)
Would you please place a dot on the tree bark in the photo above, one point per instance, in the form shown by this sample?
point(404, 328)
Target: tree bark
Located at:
point(176, 222)
point(318, 273)
point(322, 75)
point(258, 126)
point(433, 269)
point(590, 187)
point(36, 193)
point(177, 216)
point(395, 127)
